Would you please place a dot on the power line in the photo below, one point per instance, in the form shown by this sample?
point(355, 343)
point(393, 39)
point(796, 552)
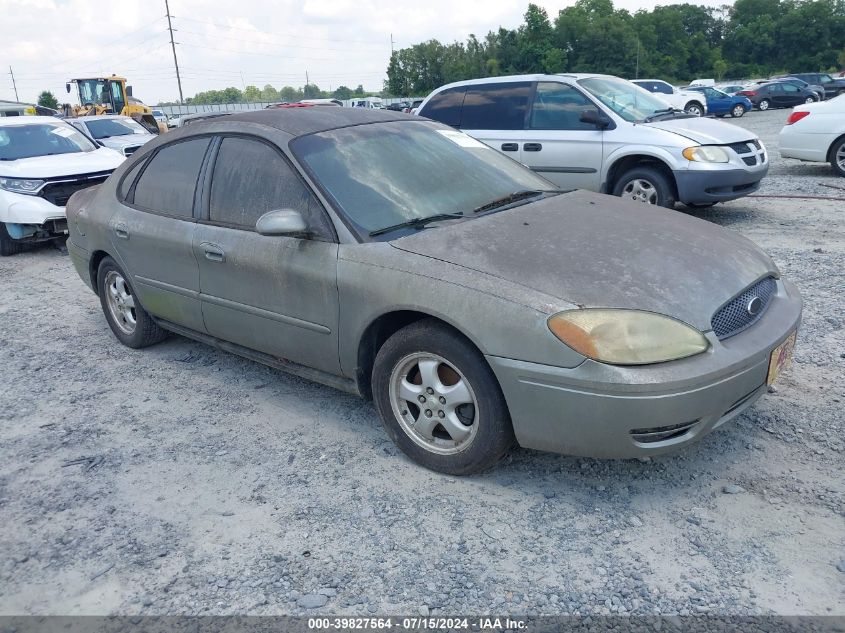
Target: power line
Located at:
point(241, 39)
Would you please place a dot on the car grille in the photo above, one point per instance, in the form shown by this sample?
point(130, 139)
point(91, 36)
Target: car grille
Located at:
point(751, 152)
point(733, 317)
point(59, 190)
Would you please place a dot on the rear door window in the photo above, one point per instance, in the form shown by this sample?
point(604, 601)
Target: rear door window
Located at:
point(445, 106)
point(500, 106)
point(168, 183)
point(558, 107)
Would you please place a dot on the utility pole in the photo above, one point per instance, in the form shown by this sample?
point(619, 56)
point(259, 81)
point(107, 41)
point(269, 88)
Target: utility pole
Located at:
point(391, 44)
point(173, 46)
point(14, 85)
point(637, 76)
point(306, 78)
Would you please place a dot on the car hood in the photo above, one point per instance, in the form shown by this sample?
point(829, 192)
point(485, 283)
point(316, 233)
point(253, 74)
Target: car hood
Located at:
point(594, 250)
point(704, 131)
point(130, 140)
point(102, 159)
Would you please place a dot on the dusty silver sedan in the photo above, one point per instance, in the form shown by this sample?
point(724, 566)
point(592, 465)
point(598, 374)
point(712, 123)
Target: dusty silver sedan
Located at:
point(399, 259)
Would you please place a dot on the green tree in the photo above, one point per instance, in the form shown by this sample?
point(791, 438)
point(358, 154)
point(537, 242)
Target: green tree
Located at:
point(343, 93)
point(48, 100)
point(359, 91)
point(252, 93)
point(311, 91)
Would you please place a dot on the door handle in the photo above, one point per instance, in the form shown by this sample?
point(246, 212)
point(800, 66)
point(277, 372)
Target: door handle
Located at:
point(510, 147)
point(532, 147)
point(121, 231)
point(213, 252)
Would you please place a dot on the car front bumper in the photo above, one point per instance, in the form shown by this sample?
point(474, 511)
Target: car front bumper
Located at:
point(607, 411)
point(31, 218)
point(706, 187)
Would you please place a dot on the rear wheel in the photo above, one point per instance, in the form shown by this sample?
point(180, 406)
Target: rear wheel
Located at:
point(810, 100)
point(764, 105)
point(439, 400)
point(694, 108)
point(737, 111)
point(645, 184)
point(837, 157)
point(131, 324)
point(8, 245)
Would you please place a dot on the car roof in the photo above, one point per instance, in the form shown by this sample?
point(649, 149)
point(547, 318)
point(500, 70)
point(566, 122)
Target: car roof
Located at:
point(98, 117)
point(534, 77)
point(302, 121)
point(28, 120)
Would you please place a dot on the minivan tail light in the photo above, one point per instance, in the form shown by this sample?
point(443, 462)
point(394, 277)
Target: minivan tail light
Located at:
point(796, 116)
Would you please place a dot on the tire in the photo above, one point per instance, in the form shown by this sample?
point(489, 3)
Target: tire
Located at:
point(837, 157)
point(8, 245)
point(693, 107)
point(763, 105)
point(430, 361)
point(645, 184)
point(129, 322)
point(810, 100)
point(737, 111)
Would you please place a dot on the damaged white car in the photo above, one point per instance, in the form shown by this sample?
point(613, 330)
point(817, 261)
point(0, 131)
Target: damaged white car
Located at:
point(43, 161)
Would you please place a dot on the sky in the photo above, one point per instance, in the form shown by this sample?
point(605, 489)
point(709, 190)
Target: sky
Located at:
point(236, 43)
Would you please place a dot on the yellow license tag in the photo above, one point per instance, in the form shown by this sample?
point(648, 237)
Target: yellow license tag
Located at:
point(781, 358)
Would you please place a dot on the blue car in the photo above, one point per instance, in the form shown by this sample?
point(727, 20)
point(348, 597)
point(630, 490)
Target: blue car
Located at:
point(721, 103)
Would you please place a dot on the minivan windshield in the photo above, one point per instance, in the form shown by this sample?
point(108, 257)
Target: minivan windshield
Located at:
point(106, 128)
point(627, 100)
point(41, 139)
point(385, 174)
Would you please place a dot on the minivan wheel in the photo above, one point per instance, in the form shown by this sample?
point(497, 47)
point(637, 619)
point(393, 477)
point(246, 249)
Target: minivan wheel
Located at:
point(837, 157)
point(737, 111)
point(8, 245)
point(439, 400)
point(645, 184)
point(694, 108)
point(131, 324)
point(763, 105)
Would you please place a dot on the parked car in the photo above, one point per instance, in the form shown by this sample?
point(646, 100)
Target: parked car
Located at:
point(817, 90)
point(721, 103)
point(402, 260)
point(160, 116)
point(832, 87)
point(413, 106)
point(322, 102)
point(43, 160)
point(399, 106)
point(816, 132)
point(777, 94)
point(605, 134)
point(726, 88)
point(120, 133)
point(685, 100)
point(703, 82)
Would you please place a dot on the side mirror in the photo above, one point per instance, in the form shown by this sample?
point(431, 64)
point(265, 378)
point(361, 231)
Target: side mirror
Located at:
point(594, 117)
point(281, 222)
point(67, 87)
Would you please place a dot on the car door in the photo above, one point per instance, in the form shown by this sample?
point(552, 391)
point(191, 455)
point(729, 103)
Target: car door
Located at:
point(152, 231)
point(792, 95)
point(566, 151)
point(717, 101)
point(495, 114)
point(273, 294)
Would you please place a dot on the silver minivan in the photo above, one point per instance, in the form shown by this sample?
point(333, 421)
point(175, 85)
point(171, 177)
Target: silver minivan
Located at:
point(603, 133)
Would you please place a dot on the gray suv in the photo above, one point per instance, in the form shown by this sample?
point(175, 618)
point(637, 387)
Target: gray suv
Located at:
point(603, 133)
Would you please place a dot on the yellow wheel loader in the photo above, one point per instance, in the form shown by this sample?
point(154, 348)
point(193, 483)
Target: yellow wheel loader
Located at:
point(110, 95)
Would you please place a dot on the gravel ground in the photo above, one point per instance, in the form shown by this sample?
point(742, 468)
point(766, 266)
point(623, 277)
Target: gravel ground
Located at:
point(184, 480)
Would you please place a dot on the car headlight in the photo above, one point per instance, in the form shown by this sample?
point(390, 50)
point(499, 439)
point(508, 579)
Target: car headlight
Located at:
point(706, 154)
point(626, 337)
point(21, 185)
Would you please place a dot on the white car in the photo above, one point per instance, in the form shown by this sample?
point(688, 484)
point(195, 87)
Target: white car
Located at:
point(816, 132)
point(160, 116)
point(687, 100)
point(120, 133)
point(43, 161)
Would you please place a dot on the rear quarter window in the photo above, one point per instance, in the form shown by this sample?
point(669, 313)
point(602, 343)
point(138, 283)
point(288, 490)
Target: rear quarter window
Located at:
point(446, 106)
point(169, 181)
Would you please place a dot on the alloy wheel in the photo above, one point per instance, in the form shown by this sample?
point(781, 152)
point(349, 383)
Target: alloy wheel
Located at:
point(840, 157)
point(809, 100)
point(764, 105)
point(434, 403)
point(738, 111)
point(695, 110)
point(640, 190)
point(120, 301)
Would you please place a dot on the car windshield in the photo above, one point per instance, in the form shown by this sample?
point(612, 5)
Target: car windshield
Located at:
point(627, 100)
point(41, 139)
point(106, 128)
point(385, 174)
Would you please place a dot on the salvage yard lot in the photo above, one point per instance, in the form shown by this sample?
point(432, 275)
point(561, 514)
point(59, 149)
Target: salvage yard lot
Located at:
point(181, 479)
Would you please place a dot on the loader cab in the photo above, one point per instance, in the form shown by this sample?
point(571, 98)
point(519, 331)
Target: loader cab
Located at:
point(106, 92)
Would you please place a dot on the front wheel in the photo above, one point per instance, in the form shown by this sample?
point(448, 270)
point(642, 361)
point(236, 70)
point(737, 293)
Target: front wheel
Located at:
point(737, 111)
point(131, 324)
point(8, 245)
point(439, 400)
point(810, 100)
point(694, 108)
point(645, 184)
point(764, 105)
point(837, 157)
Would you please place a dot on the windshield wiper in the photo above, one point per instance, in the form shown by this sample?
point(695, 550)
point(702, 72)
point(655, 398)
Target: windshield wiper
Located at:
point(666, 112)
point(513, 197)
point(417, 223)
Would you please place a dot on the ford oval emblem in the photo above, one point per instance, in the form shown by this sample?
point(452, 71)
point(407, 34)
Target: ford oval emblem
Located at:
point(754, 306)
